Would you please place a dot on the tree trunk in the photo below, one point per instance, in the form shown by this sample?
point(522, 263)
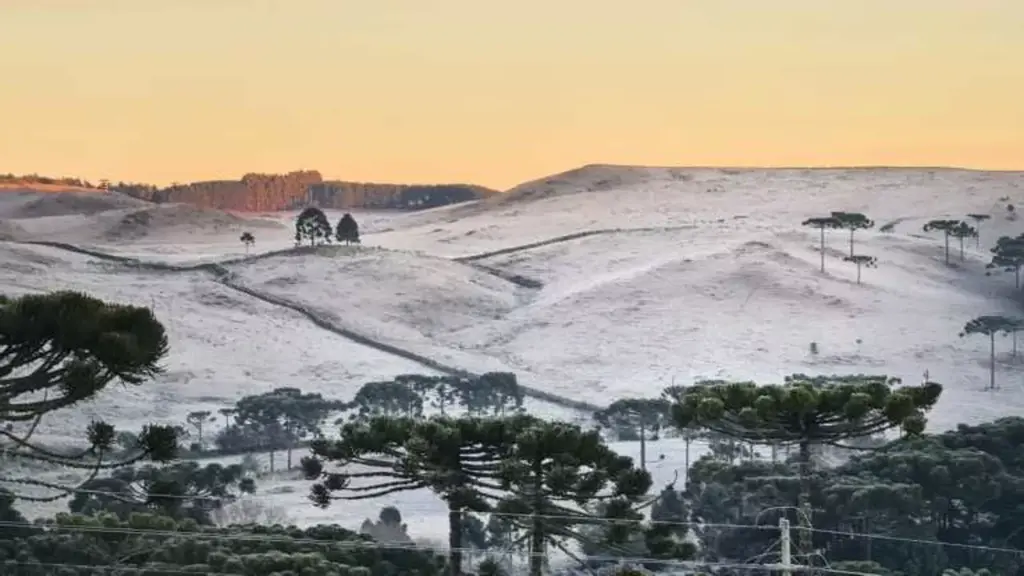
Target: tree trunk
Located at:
point(537, 524)
point(961, 248)
point(289, 457)
point(858, 272)
point(992, 362)
point(271, 461)
point(455, 540)
point(947, 247)
point(1014, 343)
point(805, 540)
point(643, 447)
point(822, 248)
point(775, 454)
point(851, 242)
point(686, 457)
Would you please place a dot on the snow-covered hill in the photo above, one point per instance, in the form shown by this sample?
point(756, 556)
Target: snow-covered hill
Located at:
point(591, 285)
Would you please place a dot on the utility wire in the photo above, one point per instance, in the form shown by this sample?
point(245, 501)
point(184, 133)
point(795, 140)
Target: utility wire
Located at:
point(214, 535)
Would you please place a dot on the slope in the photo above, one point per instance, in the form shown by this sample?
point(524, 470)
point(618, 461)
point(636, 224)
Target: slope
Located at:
point(223, 344)
point(599, 197)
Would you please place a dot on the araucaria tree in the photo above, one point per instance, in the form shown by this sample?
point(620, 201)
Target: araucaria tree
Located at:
point(312, 225)
point(807, 412)
point(180, 490)
point(823, 223)
point(248, 240)
point(853, 221)
point(946, 227)
point(62, 348)
point(990, 326)
point(962, 231)
point(198, 419)
point(862, 260)
point(281, 418)
point(460, 459)
point(636, 417)
point(1008, 254)
point(347, 230)
point(551, 471)
point(978, 219)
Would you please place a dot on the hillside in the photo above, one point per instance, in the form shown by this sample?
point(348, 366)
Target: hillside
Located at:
point(593, 285)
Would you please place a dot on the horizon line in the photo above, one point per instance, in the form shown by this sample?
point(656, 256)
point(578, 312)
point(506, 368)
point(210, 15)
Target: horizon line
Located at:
point(574, 169)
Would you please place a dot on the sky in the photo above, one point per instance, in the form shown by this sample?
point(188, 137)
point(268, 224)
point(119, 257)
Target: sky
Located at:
point(499, 92)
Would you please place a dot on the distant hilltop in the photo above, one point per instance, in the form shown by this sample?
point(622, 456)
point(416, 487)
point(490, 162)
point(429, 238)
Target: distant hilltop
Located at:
point(270, 192)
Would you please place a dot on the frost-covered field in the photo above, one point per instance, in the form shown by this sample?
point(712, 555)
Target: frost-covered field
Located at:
point(689, 273)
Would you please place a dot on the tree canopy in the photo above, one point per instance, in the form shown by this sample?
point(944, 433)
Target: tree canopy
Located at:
point(852, 221)
point(347, 230)
point(62, 348)
point(313, 226)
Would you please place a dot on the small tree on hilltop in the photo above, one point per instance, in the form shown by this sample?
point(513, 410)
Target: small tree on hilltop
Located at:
point(1008, 255)
point(978, 219)
point(853, 221)
point(807, 412)
point(347, 230)
point(62, 348)
point(248, 240)
point(823, 223)
point(946, 227)
point(962, 231)
point(313, 225)
point(862, 260)
point(642, 417)
point(990, 326)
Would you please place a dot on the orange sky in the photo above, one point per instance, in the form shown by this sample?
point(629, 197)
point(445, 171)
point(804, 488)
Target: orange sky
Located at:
point(497, 92)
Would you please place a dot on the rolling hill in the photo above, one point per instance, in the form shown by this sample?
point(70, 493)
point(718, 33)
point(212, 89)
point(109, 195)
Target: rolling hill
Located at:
point(591, 285)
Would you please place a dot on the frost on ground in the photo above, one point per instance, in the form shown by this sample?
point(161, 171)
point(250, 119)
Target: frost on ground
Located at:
point(223, 344)
point(692, 273)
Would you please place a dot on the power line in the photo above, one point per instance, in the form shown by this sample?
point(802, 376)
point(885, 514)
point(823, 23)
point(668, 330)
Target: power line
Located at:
point(692, 564)
point(269, 538)
point(597, 520)
point(913, 540)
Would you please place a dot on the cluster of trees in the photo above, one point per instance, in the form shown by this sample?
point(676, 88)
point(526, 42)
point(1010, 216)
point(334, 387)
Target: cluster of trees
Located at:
point(990, 326)
point(854, 221)
point(929, 504)
point(158, 545)
point(37, 179)
point(851, 221)
point(928, 500)
point(59, 349)
point(287, 418)
point(542, 480)
point(313, 226)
